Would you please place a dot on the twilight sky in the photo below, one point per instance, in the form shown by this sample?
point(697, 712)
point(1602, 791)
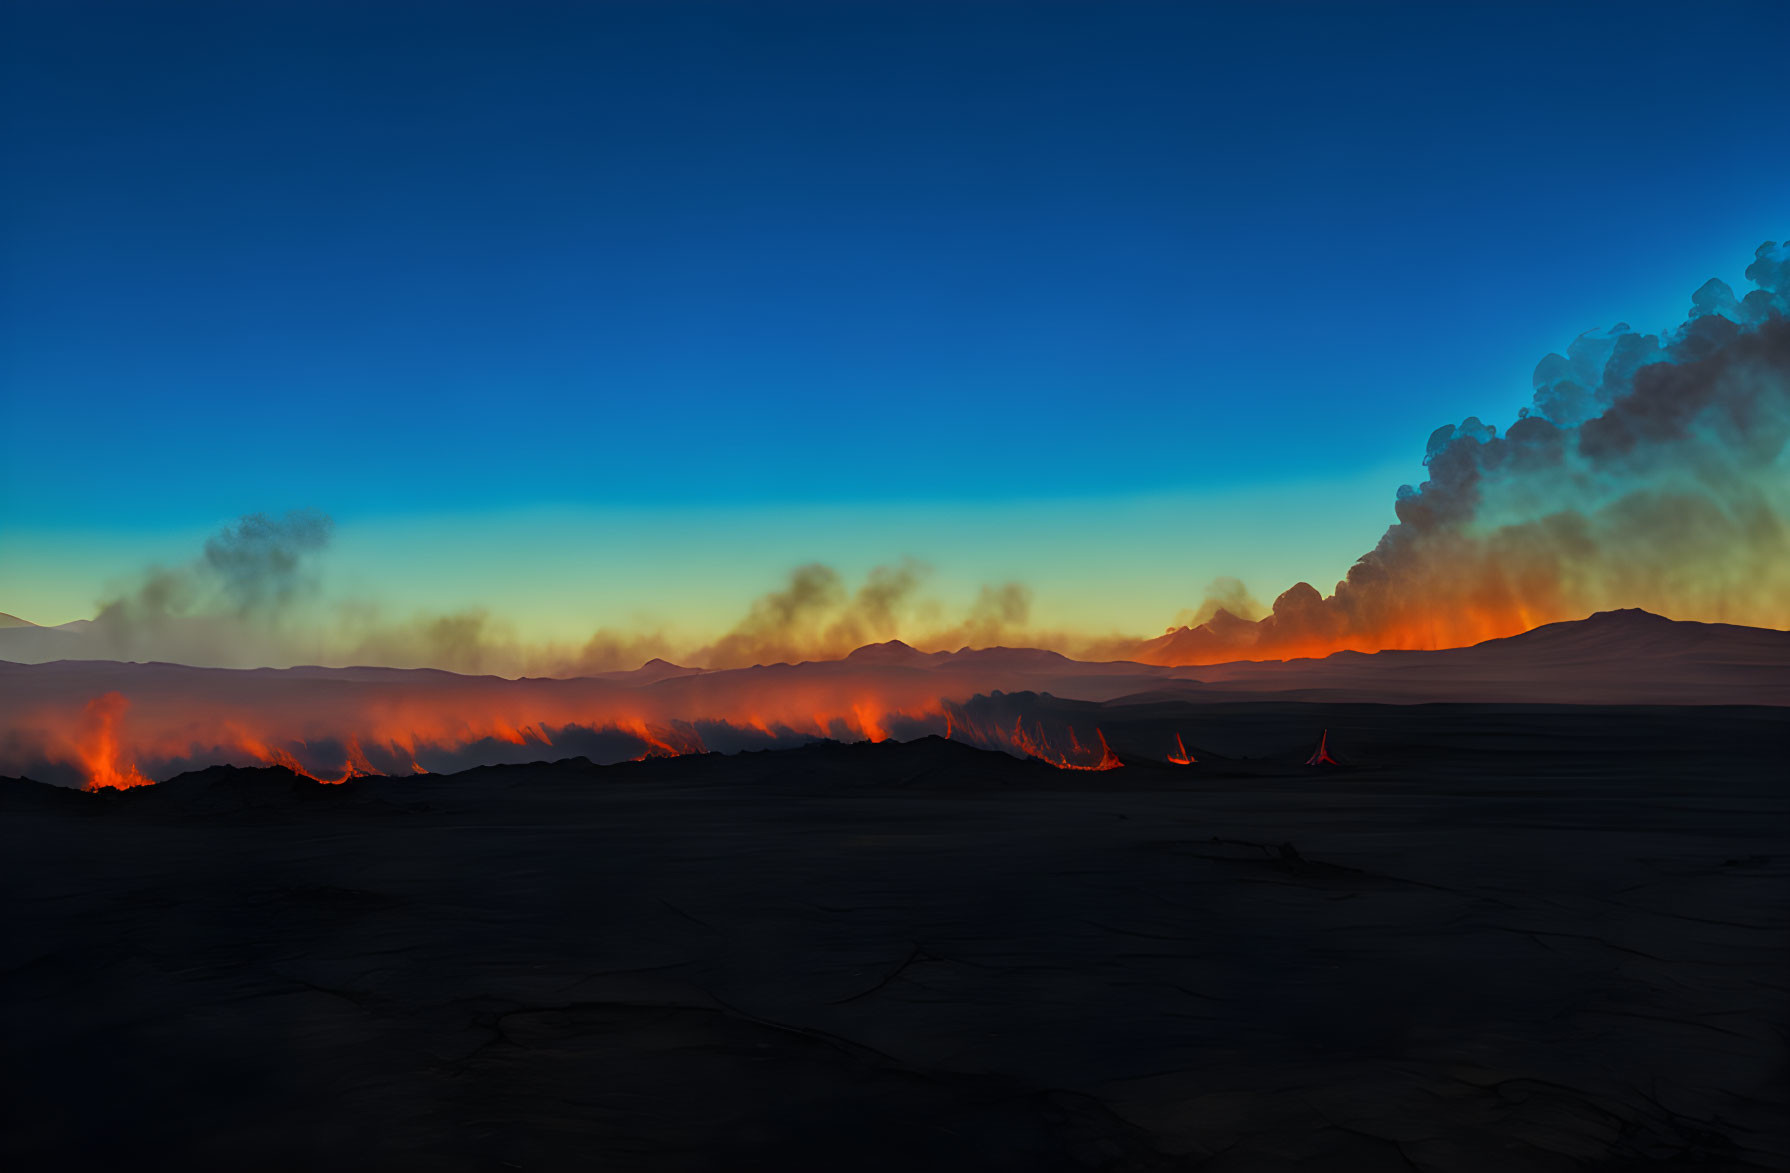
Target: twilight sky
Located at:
point(612, 313)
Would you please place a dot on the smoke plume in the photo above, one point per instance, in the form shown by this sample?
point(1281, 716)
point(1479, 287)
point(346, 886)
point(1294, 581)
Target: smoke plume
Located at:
point(1650, 471)
point(232, 604)
point(816, 617)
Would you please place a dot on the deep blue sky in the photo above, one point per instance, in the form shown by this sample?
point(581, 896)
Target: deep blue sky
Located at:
point(408, 260)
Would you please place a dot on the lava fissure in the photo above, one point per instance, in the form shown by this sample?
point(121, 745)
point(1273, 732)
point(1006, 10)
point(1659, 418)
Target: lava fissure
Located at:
point(394, 738)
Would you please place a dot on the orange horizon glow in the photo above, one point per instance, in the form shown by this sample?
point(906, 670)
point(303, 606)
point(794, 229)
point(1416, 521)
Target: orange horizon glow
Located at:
point(333, 733)
point(1432, 630)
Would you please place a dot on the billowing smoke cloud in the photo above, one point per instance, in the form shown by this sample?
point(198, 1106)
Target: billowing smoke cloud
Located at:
point(1650, 471)
point(232, 604)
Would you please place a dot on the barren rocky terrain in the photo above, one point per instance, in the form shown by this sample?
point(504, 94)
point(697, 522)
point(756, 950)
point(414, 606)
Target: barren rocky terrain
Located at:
point(1495, 938)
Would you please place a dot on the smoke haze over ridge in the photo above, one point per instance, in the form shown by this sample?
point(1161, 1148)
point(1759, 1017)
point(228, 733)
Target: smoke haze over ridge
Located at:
point(1650, 471)
point(255, 597)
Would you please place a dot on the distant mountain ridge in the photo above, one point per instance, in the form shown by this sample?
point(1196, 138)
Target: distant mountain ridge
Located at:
point(1612, 657)
point(1625, 656)
point(202, 715)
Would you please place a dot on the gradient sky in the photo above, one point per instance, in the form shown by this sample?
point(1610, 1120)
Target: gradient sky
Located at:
point(584, 312)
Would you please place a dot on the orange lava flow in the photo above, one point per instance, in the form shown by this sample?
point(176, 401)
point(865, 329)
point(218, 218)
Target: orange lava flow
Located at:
point(334, 729)
point(1038, 745)
point(100, 751)
point(661, 743)
point(869, 722)
point(356, 765)
point(373, 733)
point(1181, 757)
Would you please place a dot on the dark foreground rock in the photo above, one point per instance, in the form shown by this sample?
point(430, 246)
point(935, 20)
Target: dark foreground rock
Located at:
point(1496, 939)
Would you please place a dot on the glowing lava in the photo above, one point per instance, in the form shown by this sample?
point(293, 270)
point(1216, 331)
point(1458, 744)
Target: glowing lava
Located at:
point(100, 750)
point(1037, 744)
point(1181, 757)
point(334, 731)
point(661, 742)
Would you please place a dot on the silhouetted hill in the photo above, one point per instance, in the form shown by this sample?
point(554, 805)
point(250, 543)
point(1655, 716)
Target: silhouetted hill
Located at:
point(651, 672)
point(1613, 657)
point(1632, 631)
point(26, 794)
point(893, 652)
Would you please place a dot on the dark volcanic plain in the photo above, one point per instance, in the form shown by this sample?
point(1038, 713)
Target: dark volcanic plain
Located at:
point(1498, 938)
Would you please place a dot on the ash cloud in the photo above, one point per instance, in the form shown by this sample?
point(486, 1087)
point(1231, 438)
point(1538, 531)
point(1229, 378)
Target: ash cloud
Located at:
point(234, 602)
point(1000, 616)
point(1226, 598)
point(255, 598)
point(1650, 470)
point(817, 617)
